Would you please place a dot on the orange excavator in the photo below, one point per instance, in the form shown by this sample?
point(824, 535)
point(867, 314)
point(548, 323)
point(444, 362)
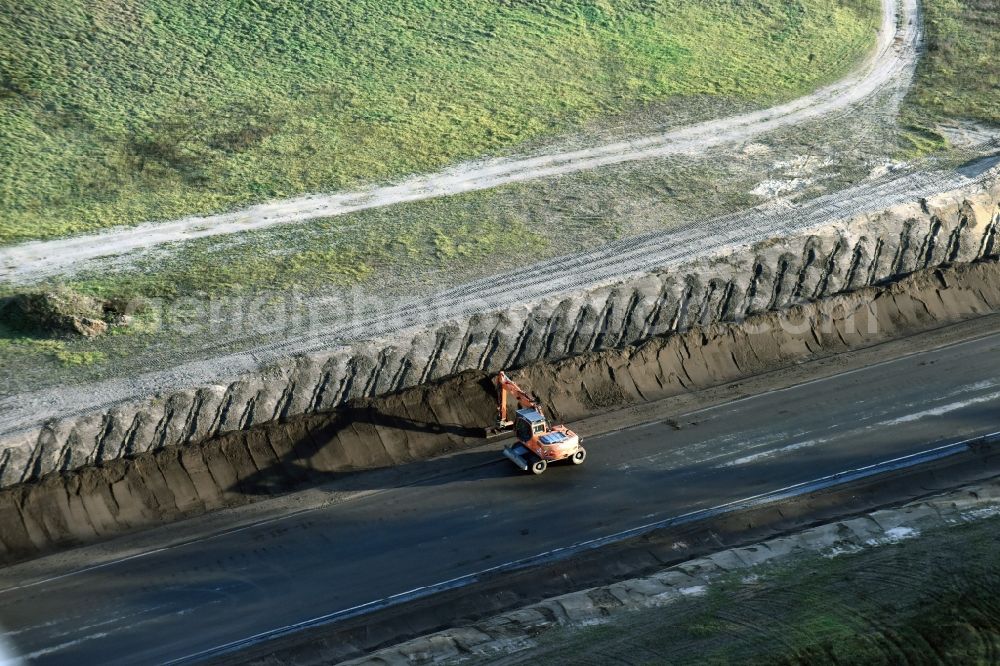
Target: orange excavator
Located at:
point(537, 445)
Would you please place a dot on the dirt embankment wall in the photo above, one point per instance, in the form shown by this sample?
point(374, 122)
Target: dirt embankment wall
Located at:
point(157, 486)
point(959, 227)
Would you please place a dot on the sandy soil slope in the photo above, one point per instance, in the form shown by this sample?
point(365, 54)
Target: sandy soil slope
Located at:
point(659, 380)
point(217, 362)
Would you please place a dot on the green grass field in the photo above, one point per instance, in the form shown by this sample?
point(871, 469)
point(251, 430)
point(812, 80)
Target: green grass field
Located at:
point(415, 248)
point(958, 77)
point(118, 111)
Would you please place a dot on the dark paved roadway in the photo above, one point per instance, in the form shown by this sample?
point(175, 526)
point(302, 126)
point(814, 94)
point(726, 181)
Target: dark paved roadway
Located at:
point(183, 600)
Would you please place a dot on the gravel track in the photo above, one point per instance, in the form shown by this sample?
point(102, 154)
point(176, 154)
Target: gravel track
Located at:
point(893, 57)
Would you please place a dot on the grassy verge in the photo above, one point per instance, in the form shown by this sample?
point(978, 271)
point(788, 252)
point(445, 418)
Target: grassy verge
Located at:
point(958, 77)
point(115, 113)
point(452, 239)
point(365, 248)
point(49, 352)
point(416, 248)
point(431, 243)
point(924, 601)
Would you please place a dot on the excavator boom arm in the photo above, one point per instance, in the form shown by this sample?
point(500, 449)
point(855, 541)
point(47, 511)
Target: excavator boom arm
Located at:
point(505, 386)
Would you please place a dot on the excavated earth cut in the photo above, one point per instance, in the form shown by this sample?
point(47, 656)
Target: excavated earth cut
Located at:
point(96, 501)
point(623, 302)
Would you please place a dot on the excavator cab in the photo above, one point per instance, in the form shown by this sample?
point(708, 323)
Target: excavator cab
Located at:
point(529, 424)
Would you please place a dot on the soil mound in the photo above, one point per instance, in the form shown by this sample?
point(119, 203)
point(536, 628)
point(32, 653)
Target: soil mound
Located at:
point(61, 312)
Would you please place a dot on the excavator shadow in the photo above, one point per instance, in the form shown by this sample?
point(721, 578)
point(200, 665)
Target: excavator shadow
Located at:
point(394, 441)
point(458, 467)
point(374, 416)
point(383, 448)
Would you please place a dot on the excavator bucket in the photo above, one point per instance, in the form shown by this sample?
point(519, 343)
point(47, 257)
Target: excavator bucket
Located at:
point(498, 430)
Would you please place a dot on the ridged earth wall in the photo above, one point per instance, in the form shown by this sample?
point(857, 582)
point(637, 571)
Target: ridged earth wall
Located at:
point(956, 227)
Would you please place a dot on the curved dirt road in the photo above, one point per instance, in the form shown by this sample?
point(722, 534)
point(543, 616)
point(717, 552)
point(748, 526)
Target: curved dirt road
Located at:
point(895, 52)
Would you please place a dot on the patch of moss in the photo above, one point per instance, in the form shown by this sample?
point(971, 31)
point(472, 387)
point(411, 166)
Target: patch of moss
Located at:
point(75, 358)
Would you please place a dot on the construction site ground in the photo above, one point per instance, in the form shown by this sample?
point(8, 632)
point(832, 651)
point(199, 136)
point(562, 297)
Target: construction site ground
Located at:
point(405, 432)
point(274, 530)
point(910, 584)
point(874, 569)
point(274, 524)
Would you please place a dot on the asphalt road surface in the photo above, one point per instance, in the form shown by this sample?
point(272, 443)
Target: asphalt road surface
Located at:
point(177, 602)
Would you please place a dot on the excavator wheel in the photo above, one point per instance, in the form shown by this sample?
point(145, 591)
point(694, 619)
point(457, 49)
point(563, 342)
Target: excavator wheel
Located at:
point(538, 467)
point(578, 457)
